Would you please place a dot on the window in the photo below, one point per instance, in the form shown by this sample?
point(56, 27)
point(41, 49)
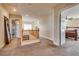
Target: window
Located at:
point(27, 26)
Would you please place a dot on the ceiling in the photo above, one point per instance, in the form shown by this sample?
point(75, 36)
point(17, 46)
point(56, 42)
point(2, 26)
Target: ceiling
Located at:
point(29, 8)
point(72, 12)
point(33, 9)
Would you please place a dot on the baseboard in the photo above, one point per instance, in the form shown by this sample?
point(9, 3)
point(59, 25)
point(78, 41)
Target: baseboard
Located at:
point(45, 37)
point(2, 46)
point(52, 42)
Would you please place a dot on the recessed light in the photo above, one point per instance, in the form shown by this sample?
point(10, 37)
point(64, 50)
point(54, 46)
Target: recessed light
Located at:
point(14, 9)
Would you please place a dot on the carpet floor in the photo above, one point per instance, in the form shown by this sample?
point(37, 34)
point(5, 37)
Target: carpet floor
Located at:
point(43, 48)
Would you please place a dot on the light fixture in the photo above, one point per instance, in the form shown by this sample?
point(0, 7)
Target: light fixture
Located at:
point(14, 9)
point(66, 20)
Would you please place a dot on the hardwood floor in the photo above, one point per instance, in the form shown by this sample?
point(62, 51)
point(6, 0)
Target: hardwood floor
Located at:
point(44, 48)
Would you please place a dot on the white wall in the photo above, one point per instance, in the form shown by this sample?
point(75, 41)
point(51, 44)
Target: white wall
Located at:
point(63, 27)
point(57, 23)
point(30, 19)
point(49, 28)
point(51, 24)
point(3, 13)
point(34, 21)
point(73, 23)
point(71, 12)
point(46, 26)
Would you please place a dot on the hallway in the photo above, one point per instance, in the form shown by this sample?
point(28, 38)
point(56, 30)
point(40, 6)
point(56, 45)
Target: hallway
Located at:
point(44, 48)
point(21, 23)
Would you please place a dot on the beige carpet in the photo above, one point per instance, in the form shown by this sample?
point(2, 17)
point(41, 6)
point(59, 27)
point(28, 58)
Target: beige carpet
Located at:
point(44, 48)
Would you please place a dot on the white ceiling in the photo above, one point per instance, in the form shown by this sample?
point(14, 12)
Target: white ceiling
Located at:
point(28, 8)
point(72, 12)
point(35, 9)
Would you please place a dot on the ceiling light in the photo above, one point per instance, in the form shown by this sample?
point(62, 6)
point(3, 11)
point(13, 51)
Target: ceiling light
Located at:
point(14, 9)
point(66, 20)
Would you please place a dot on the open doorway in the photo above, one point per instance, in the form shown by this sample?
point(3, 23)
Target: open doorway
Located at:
point(70, 26)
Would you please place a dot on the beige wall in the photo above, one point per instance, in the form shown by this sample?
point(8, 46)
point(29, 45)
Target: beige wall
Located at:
point(3, 13)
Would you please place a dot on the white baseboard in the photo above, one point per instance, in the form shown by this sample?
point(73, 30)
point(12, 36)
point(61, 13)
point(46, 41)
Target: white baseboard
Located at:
point(2, 45)
point(46, 37)
point(50, 39)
